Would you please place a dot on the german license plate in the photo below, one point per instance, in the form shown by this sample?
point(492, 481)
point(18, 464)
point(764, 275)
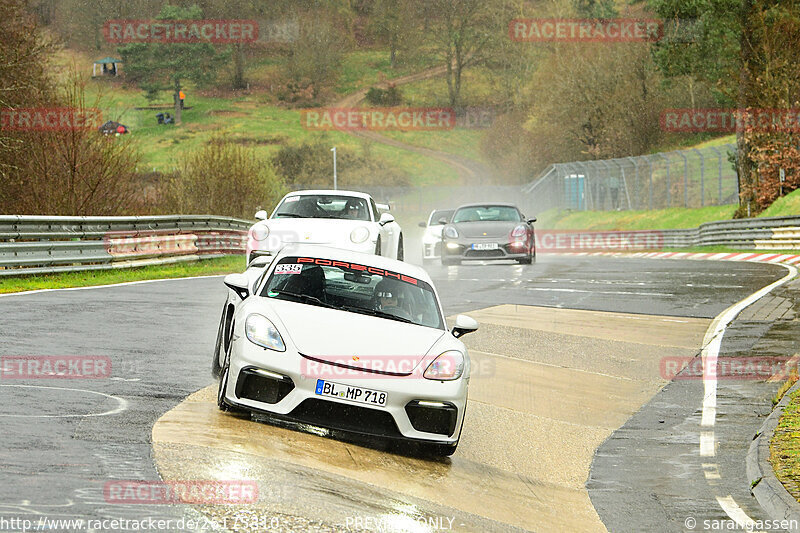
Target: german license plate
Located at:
point(351, 393)
point(484, 246)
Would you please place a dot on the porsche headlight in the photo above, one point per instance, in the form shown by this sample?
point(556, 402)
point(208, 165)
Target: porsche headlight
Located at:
point(260, 232)
point(261, 331)
point(359, 235)
point(447, 367)
point(450, 232)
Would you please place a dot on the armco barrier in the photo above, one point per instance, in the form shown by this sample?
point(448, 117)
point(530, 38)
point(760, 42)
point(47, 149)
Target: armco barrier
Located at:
point(774, 233)
point(41, 244)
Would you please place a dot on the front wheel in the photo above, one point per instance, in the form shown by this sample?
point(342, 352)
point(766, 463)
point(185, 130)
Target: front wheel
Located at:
point(446, 261)
point(223, 404)
point(378, 247)
point(400, 252)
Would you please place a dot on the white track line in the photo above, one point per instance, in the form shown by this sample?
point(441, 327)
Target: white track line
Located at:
point(711, 345)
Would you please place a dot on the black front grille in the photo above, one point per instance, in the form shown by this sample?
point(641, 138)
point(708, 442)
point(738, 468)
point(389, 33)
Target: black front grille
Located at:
point(254, 386)
point(484, 253)
point(345, 417)
point(429, 419)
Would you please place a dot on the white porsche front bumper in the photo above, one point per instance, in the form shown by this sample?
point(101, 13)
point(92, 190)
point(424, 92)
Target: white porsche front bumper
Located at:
point(285, 384)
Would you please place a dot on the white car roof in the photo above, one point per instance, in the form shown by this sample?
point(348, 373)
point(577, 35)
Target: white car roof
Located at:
point(339, 254)
point(329, 191)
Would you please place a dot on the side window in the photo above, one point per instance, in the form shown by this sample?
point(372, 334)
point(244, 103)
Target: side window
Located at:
point(376, 216)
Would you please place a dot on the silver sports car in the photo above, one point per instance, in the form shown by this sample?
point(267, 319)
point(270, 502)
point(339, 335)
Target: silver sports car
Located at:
point(488, 231)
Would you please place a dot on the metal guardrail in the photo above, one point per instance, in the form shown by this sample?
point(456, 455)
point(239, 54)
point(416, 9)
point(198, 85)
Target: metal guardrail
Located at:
point(42, 244)
point(769, 233)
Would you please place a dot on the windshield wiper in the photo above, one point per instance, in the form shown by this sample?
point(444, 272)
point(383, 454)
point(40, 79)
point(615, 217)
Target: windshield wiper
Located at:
point(304, 297)
point(375, 312)
point(290, 215)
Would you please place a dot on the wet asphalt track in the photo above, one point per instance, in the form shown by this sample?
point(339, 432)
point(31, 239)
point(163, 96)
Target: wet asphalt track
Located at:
point(55, 460)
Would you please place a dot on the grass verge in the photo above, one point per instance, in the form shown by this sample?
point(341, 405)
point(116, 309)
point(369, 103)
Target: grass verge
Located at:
point(673, 218)
point(206, 267)
point(785, 447)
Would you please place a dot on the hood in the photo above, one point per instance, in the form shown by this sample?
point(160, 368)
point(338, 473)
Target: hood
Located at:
point(336, 336)
point(313, 230)
point(488, 229)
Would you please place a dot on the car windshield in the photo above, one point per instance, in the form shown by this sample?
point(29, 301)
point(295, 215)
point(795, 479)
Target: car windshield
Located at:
point(439, 214)
point(488, 213)
point(354, 288)
point(323, 206)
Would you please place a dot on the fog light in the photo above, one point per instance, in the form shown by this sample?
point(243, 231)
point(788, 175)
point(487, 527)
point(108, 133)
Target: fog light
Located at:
point(452, 246)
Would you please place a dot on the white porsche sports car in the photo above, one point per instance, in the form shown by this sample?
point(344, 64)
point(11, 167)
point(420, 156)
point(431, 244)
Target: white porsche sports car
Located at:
point(432, 238)
point(342, 219)
point(345, 341)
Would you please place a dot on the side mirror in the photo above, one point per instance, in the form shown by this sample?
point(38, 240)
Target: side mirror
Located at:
point(238, 284)
point(261, 215)
point(464, 324)
point(422, 225)
point(442, 221)
point(531, 220)
point(386, 218)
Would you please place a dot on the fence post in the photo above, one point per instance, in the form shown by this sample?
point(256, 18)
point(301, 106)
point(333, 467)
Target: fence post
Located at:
point(719, 157)
point(650, 183)
point(635, 161)
point(702, 177)
point(669, 193)
point(685, 178)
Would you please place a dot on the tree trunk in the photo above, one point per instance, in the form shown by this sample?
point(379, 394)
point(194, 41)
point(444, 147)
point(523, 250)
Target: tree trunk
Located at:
point(238, 62)
point(744, 165)
point(177, 101)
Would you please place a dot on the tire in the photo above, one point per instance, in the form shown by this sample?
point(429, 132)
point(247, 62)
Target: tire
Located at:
point(223, 384)
point(400, 252)
point(378, 246)
point(527, 261)
point(447, 262)
point(222, 404)
point(216, 370)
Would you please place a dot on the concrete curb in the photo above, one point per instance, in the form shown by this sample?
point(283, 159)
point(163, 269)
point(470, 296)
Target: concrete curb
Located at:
point(769, 492)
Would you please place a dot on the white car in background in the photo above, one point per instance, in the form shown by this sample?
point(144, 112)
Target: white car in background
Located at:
point(344, 341)
point(432, 238)
point(342, 219)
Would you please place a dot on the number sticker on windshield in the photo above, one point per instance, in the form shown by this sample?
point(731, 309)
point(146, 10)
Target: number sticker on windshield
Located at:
point(288, 268)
